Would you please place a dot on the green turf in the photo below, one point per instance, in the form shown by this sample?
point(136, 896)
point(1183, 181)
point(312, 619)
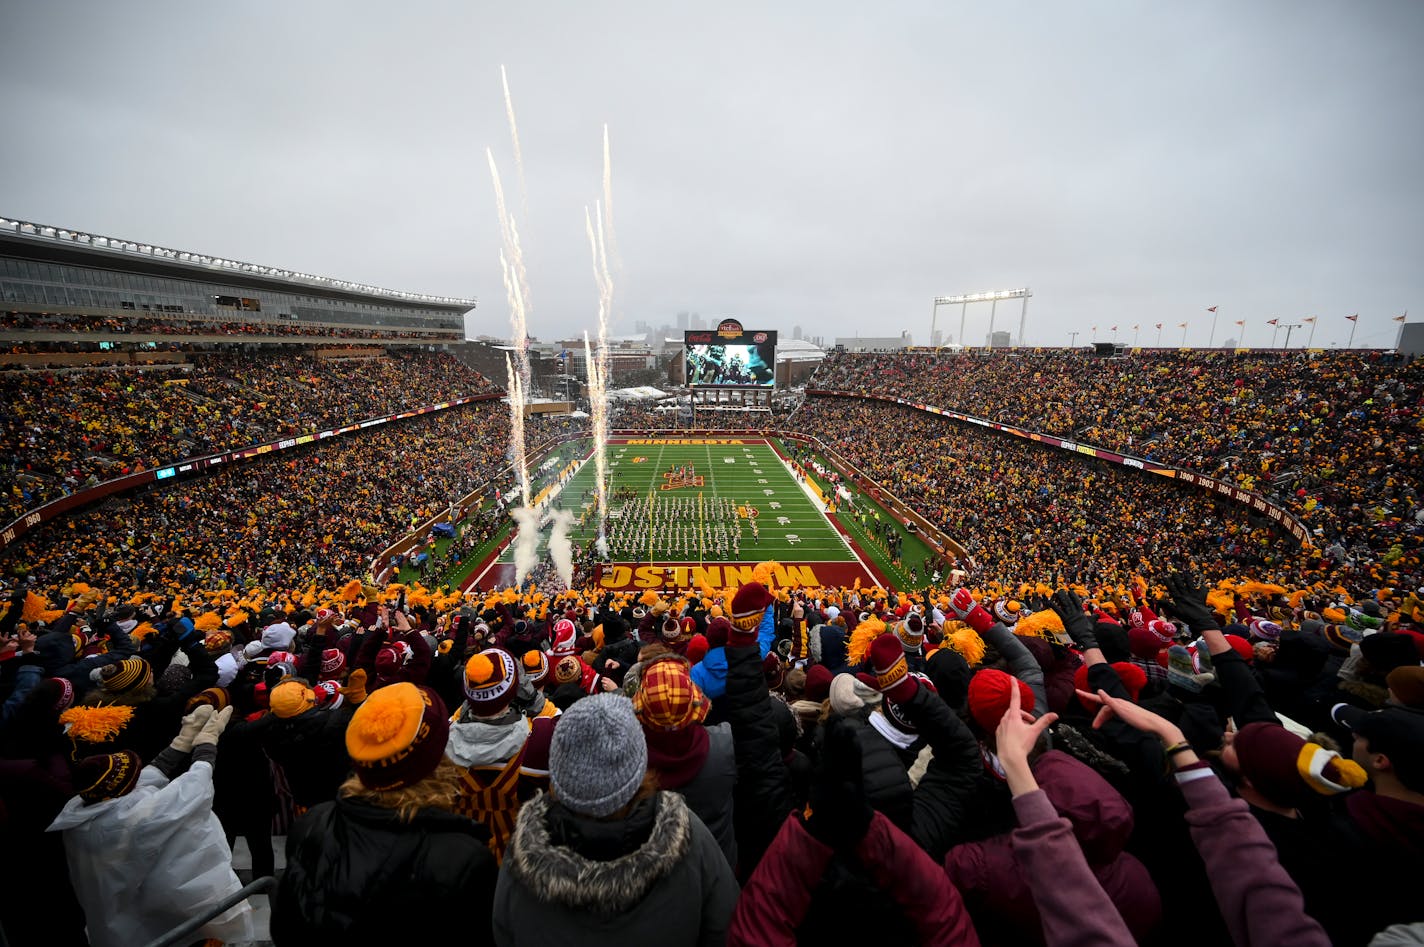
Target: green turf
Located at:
point(791, 528)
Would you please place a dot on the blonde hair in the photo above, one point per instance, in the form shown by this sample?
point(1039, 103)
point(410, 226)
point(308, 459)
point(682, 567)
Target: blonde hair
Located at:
point(439, 790)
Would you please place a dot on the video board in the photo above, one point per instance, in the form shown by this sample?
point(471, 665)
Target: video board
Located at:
point(730, 356)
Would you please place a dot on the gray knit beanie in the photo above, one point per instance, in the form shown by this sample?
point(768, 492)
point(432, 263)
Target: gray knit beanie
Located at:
point(598, 755)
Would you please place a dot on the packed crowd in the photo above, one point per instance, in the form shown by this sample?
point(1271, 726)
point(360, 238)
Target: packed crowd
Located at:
point(140, 324)
point(1024, 512)
point(311, 514)
point(67, 431)
point(1334, 435)
point(1171, 762)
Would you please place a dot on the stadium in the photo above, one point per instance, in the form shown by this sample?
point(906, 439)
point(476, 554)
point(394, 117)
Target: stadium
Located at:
point(336, 611)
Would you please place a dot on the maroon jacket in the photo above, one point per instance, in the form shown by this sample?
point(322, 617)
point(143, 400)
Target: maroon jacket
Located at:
point(1001, 898)
point(778, 894)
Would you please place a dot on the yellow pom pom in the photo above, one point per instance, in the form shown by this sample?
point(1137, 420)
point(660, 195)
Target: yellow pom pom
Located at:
point(351, 591)
point(35, 606)
point(96, 724)
point(383, 722)
point(208, 621)
point(764, 574)
point(649, 598)
point(1041, 624)
point(479, 669)
point(969, 645)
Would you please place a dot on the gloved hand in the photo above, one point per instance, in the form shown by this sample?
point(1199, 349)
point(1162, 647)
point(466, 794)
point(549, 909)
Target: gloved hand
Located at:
point(1079, 625)
point(970, 612)
point(355, 689)
point(213, 728)
point(1188, 594)
point(840, 814)
point(192, 725)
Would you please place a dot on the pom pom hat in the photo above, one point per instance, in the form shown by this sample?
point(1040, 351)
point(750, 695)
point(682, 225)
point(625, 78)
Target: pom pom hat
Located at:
point(490, 678)
point(397, 736)
point(534, 668)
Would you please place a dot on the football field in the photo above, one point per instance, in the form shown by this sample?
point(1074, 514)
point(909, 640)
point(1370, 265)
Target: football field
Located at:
point(690, 512)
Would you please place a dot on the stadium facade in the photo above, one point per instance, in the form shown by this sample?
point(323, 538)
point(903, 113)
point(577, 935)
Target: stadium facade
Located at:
point(59, 272)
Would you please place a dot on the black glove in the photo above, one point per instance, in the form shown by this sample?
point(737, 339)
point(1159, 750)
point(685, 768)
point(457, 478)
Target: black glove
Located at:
point(840, 816)
point(1076, 622)
point(1188, 594)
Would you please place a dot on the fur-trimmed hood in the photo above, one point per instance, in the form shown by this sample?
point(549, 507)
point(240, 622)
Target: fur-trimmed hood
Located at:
point(556, 873)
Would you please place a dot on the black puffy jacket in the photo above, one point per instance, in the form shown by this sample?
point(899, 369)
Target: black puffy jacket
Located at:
point(356, 874)
point(311, 749)
point(763, 795)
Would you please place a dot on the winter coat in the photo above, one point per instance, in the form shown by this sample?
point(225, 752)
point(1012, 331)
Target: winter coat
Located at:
point(311, 749)
point(710, 673)
point(1370, 832)
point(1000, 897)
point(655, 876)
point(779, 894)
point(763, 795)
point(710, 795)
point(357, 874)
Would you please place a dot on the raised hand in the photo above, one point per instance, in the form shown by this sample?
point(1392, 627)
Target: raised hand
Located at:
point(1079, 625)
point(1188, 594)
point(970, 612)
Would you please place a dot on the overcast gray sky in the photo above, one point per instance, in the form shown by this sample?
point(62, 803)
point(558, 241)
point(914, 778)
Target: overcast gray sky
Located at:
point(830, 165)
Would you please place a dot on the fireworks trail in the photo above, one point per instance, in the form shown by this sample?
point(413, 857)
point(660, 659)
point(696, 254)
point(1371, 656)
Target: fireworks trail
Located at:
point(598, 408)
point(516, 279)
point(514, 138)
point(516, 429)
point(608, 200)
point(526, 543)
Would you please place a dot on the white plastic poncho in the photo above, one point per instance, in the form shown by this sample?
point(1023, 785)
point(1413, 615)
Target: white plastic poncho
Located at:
point(146, 862)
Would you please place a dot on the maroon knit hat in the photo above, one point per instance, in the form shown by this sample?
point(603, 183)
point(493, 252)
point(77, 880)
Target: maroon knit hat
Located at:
point(717, 629)
point(748, 605)
point(1148, 638)
point(989, 697)
point(818, 682)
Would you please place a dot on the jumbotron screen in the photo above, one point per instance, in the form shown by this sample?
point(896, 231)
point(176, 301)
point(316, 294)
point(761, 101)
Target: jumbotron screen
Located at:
point(730, 355)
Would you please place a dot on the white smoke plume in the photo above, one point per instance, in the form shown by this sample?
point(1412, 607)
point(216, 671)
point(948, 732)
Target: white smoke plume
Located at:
point(526, 542)
point(561, 551)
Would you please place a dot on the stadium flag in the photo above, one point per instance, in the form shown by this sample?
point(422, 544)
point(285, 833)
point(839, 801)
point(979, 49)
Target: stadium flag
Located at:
point(1114, 328)
point(1403, 317)
point(1354, 318)
point(1181, 325)
point(1135, 328)
point(1308, 319)
point(1211, 309)
point(1159, 325)
point(1273, 322)
point(1240, 322)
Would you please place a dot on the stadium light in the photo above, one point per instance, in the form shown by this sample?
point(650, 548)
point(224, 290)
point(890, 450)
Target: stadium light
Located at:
point(990, 297)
